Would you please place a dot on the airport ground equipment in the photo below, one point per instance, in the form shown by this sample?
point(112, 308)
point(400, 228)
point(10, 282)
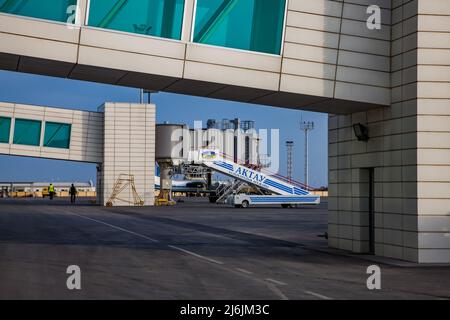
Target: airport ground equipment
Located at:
point(196, 153)
point(124, 181)
point(262, 179)
point(224, 192)
point(237, 186)
point(169, 154)
point(193, 172)
point(45, 192)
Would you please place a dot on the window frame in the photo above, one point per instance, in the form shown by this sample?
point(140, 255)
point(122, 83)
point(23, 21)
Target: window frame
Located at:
point(24, 144)
point(75, 24)
point(10, 127)
point(57, 123)
point(283, 34)
point(183, 26)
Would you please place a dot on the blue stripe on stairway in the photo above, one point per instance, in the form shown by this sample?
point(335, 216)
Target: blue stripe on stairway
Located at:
point(224, 165)
point(289, 199)
point(299, 191)
point(277, 185)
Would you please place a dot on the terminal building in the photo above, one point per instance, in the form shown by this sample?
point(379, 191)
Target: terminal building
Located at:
point(386, 90)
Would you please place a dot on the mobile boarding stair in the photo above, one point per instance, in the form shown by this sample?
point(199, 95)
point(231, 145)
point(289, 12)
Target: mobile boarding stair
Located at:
point(226, 190)
point(282, 190)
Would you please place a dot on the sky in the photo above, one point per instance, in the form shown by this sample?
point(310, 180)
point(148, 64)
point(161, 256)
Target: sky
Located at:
point(173, 108)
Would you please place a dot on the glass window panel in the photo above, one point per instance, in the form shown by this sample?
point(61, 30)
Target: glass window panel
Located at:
point(27, 132)
point(57, 10)
point(160, 18)
point(255, 25)
point(5, 127)
point(57, 135)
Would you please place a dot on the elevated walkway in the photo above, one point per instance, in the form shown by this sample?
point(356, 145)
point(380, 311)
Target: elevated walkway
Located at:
point(92, 137)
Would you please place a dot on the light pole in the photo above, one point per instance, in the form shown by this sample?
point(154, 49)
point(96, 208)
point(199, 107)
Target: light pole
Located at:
point(289, 147)
point(143, 92)
point(306, 126)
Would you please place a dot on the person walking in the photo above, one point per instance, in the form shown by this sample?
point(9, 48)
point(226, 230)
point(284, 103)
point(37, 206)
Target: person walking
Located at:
point(51, 191)
point(73, 193)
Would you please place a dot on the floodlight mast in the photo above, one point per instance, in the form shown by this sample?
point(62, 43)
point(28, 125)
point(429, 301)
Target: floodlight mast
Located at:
point(289, 147)
point(306, 127)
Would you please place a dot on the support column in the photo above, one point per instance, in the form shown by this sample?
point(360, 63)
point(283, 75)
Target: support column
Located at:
point(129, 152)
point(433, 131)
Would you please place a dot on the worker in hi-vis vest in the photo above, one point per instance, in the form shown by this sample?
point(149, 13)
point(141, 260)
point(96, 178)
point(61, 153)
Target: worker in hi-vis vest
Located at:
point(51, 191)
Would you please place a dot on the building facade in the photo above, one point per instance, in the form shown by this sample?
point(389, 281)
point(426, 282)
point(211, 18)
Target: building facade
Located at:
point(408, 151)
point(388, 195)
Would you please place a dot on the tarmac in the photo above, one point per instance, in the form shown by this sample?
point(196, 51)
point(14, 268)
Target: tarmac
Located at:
point(195, 250)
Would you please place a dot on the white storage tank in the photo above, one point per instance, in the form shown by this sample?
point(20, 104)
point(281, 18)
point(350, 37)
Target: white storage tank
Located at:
point(170, 143)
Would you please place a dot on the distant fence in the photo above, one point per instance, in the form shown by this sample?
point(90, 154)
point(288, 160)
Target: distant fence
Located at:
point(320, 193)
point(62, 194)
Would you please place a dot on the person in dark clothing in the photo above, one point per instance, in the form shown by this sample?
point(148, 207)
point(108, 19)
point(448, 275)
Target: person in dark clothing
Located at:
point(73, 193)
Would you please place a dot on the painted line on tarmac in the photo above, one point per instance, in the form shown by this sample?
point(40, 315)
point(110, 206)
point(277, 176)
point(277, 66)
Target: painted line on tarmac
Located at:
point(244, 271)
point(271, 285)
point(277, 291)
point(196, 255)
point(318, 295)
point(150, 239)
point(276, 282)
point(118, 228)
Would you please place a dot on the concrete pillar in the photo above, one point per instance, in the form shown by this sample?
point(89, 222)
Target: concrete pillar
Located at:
point(129, 149)
point(432, 136)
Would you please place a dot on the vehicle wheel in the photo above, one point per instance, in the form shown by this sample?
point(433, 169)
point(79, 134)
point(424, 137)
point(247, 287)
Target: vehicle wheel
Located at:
point(212, 199)
point(285, 205)
point(245, 204)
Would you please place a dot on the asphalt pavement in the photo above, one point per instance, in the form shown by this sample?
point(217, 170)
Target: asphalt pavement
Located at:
point(195, 250)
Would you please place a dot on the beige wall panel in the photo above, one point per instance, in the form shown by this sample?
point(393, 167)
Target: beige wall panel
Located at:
point(130, 42)
point(433, 56)
point(38, 48)
point(311, 86)
point(309, 69)
point(362, 93)
point(364, 61)
point(313, 21)
point(310, 53)
point(321, 7)
point(130, 61)
point(233, 58)
point(35, 28)
point(434, 7)
point(312, 37)
point(232, 76)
